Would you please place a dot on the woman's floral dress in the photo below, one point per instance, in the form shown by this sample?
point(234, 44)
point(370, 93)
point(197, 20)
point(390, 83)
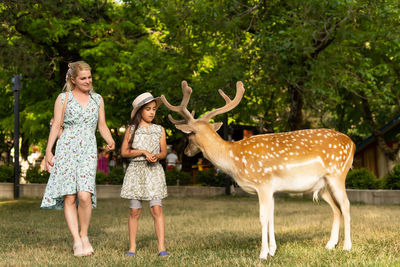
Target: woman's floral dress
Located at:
point(144, 180)
point(75, 159)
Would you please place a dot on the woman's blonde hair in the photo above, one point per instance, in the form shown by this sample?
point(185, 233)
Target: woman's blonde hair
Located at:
point(73, 69)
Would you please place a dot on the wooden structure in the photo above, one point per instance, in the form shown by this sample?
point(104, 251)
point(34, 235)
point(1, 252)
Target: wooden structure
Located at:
point(368, 154)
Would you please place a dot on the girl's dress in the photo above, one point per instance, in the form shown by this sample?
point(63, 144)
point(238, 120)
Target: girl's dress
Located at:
point(144, 180)
point(75, 160)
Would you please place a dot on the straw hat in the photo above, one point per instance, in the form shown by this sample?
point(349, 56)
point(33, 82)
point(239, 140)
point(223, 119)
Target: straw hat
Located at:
point(143, 99)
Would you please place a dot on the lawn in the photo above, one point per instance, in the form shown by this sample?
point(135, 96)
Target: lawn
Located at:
point(222, 231)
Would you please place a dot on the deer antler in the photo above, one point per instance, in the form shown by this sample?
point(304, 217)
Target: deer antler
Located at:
point(182, 108)
point(230, 104)
point(176, 122)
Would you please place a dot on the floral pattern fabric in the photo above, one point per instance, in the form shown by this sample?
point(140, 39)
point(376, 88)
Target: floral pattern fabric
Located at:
point(144, 180)
point(75, 159)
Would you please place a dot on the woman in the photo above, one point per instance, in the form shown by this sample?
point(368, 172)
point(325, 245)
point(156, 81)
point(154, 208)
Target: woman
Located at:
point(73, 167)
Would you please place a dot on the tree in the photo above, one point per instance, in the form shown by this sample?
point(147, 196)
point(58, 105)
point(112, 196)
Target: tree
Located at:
point(38, 40)
point(305, 64)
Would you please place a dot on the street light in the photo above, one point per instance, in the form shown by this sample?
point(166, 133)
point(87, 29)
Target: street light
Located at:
point(17, 86)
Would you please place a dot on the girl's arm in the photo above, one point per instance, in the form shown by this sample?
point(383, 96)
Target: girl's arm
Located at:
point(55, 128)
point(163, 147)
point(103, 128)
point(128, 152)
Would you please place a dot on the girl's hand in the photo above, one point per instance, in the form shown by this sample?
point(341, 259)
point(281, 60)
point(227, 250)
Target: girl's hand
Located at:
point(154, 158)
point(149, 157)
point(48, 161)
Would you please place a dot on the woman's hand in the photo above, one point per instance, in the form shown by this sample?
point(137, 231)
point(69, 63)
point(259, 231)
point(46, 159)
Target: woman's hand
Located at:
point(48, 161)
point(111, 146)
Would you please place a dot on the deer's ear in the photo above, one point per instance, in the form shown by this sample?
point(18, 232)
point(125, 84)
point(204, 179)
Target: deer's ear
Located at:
point(184, 128)
point(217, 125)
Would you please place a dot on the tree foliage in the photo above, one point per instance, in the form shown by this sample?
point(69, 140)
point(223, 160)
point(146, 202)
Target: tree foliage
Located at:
point(312, 63)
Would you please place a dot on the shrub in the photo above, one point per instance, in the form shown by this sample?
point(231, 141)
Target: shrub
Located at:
point(172, 177)
point(36, 176)
point(116, 175)
point(392, 179)
point(362, 179)
point(101, 177)
point(6, 174)
point(210, 178)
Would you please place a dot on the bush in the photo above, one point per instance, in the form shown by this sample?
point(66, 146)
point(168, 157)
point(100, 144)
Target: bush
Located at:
point(172, 177)
point(6, 174)
point(392, 179)
point(210, 178)
point(36, 176)
point(116, 176)
point(362, 179)
point(101, 177)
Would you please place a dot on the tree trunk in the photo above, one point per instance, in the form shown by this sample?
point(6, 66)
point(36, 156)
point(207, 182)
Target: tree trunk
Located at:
point(296, 101)
point(24, 147)
point(296, 108)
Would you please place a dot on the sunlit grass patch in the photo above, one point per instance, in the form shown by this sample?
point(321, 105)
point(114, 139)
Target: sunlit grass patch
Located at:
point(221, 231)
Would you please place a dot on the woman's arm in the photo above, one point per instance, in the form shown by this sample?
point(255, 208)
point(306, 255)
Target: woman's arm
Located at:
point(55, 128)
point(103, 128)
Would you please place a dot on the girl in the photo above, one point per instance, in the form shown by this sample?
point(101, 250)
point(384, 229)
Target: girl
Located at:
point(73, 168)
point(145, 143)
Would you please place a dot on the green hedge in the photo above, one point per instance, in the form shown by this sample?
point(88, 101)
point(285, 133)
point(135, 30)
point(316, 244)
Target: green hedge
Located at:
point(210, 178)
point(362, 179)
point(356, 179)
point(172, 177)
point(6, 174)
point(365, 179)
point(392, 179)
point(36, 176)
point(101, 178)
point(116, 176)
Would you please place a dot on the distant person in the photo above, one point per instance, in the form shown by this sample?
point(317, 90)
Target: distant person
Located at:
point(73, 167)
point(172, 160)
point(102, 162)
point(112, 162)
point(145, 143)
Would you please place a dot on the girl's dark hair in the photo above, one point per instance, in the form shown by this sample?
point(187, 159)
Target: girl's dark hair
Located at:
point(134, 124)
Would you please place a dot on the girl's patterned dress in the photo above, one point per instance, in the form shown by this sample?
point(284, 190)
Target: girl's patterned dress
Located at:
point(75, 160)
point(144, 180)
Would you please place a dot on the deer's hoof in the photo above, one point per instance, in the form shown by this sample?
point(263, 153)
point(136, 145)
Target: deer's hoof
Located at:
point(272, 251)
point(264, 255)
point(347, 246)
point(330, 245)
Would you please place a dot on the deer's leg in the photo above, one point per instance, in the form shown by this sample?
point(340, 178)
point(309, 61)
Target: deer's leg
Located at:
point(339, 194)
point(346, 218)
point(265, 199)
point(333, 240)
point(272, 242)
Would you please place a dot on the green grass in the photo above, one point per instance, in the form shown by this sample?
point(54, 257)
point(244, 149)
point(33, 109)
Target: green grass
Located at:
point(222, 231)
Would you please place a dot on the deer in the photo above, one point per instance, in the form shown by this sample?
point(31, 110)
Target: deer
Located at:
point(303, 161)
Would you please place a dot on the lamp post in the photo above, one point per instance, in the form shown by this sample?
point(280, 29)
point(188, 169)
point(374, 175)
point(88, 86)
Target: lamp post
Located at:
point(17, 86)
